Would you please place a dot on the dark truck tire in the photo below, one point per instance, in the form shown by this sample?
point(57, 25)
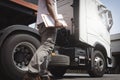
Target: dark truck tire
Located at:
point(17, 51)
point(58, 65)
point(99, 64)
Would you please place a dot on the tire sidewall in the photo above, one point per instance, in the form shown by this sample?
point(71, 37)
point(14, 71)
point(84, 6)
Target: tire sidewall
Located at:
point(8, 47)
point(58, 71)
point(95, 72)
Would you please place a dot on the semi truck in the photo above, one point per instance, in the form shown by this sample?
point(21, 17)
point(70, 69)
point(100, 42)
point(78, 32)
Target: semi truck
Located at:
point(83, 45)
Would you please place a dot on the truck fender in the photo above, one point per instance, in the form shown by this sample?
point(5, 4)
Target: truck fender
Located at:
point(7, 31)
point(108, 59)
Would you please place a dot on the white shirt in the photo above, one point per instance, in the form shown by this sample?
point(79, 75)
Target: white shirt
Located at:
point(42, 9)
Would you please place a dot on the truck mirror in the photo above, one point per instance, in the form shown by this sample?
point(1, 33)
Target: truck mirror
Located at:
point(110, 20)
point(106, 15)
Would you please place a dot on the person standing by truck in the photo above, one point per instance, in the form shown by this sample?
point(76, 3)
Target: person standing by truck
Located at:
point(37, 68)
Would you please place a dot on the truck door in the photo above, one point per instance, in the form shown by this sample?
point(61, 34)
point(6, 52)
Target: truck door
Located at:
point(97, 23)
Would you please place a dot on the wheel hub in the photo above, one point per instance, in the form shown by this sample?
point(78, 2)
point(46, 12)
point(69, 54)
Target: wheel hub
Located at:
point(99, 64)
point(22, 55)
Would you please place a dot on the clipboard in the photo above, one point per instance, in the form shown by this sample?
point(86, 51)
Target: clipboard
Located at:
point(49, 21)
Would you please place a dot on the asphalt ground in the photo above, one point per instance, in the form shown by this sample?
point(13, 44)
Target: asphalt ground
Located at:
point(74, 76)
point(87, 77)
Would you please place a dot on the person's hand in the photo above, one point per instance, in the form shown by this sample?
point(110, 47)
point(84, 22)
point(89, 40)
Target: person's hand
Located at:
point(58, 24)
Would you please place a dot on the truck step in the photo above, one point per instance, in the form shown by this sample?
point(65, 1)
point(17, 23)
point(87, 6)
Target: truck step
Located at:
point(82, 60)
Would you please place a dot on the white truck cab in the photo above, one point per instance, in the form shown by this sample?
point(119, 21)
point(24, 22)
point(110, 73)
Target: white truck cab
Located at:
point(85, 43)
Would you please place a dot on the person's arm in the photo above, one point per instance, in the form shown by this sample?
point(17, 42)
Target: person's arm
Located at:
point(51, 10)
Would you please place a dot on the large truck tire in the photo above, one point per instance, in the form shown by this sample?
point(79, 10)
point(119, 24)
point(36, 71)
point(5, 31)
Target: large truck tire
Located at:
point(98, 64)
point(58, 65)
point(58, 71)
point(16, 53)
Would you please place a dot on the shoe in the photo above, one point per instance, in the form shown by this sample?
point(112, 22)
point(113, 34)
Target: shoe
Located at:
point(30, 76)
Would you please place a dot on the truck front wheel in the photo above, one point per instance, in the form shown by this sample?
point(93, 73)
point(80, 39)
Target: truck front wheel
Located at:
point(17, 51)
point(98, 64)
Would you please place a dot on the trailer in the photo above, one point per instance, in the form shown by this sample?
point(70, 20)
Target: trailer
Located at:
point(18, 42)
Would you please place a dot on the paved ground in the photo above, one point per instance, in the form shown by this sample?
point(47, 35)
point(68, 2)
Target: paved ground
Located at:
point(86, 77)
